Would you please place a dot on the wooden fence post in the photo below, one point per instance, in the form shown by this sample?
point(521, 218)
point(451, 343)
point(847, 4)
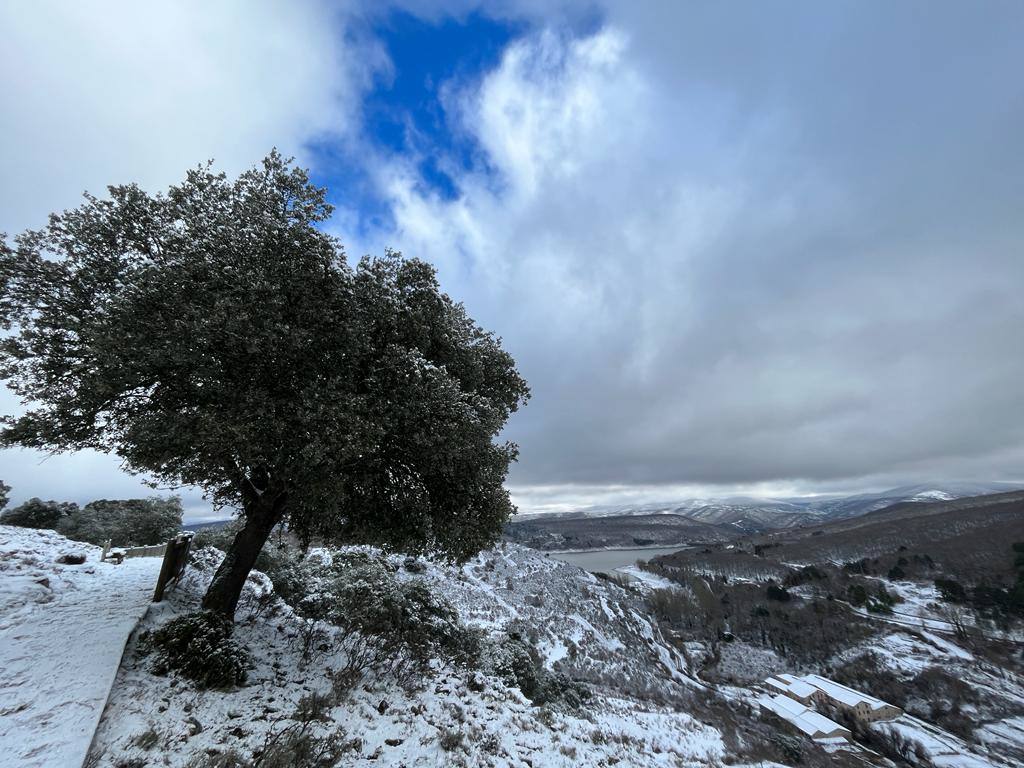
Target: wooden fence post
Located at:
point(173, 566)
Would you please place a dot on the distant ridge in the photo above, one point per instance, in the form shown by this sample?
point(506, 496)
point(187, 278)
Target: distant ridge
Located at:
point(206, 524)
point(753, 515)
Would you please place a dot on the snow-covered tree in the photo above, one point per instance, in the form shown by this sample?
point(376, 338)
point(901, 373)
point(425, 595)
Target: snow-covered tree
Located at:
point(215, 336)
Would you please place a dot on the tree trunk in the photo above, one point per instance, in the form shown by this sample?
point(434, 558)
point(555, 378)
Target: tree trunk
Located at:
point(260, 518)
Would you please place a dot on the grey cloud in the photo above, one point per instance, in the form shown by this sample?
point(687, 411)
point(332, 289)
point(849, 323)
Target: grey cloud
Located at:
point(788, 247)
point(762, 248)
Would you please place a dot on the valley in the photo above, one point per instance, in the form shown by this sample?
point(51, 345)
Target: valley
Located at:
point(643, 655)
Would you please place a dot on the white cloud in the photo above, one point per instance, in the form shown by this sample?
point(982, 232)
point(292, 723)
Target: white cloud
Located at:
point(774, 251)
point(709, 275)
point(111, 92)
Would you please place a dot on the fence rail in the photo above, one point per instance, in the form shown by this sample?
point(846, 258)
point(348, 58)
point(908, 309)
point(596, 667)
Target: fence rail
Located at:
point(154, 551)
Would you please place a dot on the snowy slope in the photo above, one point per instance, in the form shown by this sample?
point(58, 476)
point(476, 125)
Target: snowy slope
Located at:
point(62, 631)
point(589, 628)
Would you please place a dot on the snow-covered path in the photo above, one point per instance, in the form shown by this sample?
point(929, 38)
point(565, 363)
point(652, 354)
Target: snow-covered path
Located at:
point(63, 629)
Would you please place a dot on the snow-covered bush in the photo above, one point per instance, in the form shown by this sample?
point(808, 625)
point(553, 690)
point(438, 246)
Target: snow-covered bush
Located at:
point(514, 662)
point(217, 536)
point(199, 647)
point(355, 600)
point(517, 663)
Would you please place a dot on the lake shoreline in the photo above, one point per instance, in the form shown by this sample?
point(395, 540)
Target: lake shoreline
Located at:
point(609, 559)
point(612, 549)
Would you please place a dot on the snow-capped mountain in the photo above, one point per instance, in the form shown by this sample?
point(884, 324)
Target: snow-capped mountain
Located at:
point(750, 514)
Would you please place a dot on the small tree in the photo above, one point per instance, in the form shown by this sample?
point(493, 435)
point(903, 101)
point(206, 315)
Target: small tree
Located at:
point(215, 336)
point(5, 490)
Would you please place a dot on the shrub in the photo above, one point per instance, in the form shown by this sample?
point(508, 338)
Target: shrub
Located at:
point(951, 591)
point(517, 664)
point(512, 660)
point(36, 513)
point(781, 594)
point(557, 689)
point(790, 747)
point(410, 624)
point(386, 624)
point(857, 594)
point(283, 566)
point(217, 536)
point(126, 522)
point(451, 740)
point(804, 575)
point(199, 647)
point(882, 601)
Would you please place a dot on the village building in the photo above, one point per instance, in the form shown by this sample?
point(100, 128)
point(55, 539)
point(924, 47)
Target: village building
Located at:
point(812, 724)
point(794, 687)
point(866, 708)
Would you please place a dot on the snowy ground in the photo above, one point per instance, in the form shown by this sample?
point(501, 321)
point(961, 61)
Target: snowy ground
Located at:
point(943, 749)
point(62, 632)
point(458, 717)
point(999, 736)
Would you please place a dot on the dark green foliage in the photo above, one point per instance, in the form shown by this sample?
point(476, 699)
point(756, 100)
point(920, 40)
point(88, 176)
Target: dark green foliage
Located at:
point(408, 615)
point(992, 602)
point(951, 590)
point(1018, 549)
point(36, 513)
point(513, 661)
point(125, 522)
point(896, 573)
point(216, 336)
point(857, 595)
point(516, 662)
point(389, 625)
point(881, 601)
point(862, 566)
point(199, 647)
point(5, 490)
point(808, 573)
point(778, 593)
point(559, 690)
point(790, 747)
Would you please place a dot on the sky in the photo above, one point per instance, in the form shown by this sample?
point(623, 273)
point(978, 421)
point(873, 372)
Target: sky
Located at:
point(763, 248)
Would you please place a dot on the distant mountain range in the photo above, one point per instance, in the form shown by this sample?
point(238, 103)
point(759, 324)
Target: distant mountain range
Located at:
point(753, 515)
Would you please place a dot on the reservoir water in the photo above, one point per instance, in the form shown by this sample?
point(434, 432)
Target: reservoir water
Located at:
point(610, 559)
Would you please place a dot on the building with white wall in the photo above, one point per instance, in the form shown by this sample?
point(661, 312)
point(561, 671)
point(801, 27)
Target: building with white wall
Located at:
point(812, 724)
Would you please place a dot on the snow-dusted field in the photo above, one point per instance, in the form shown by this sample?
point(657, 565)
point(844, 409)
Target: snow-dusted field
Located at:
point(943, 749)
point(62, 632)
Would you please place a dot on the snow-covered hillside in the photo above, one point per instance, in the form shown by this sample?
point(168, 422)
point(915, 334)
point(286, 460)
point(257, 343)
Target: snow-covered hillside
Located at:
point(591, 629)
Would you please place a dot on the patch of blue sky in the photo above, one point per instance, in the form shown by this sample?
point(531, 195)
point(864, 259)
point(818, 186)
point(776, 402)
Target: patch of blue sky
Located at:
point(404, 113)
